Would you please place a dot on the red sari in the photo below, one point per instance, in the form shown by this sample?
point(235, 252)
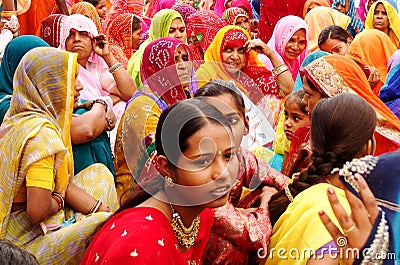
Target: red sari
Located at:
point(143, 235)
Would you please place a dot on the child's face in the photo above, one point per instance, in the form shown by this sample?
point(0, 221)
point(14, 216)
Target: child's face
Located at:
point(227, 106)
point(102, 8)
point(294, 118)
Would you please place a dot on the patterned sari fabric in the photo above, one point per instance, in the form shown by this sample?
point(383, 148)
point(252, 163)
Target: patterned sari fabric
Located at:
point(185, 10)
point(38, 126)
point(356, 25)
point(203, 25)
point(245, 5)
point(134, 7)
point(13, 54)
point(119, 36)
point(233, 13)
point(348, 77)
point(362, 10)
point(143, 235)
point(390, 92)
point(313, 2)
point(50, 29)
point(273, 10)
point(372, 48)
point(159, 28)
point(143, 110)
point(319, 18)
point(394, 21)
point(88, 10)
point(283, 32)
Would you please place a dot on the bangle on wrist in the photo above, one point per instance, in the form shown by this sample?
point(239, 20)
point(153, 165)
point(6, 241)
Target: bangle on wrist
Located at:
point(115, 67)
point(95, 207)
point(59, 199)
point(100, 101)
point(280, 69)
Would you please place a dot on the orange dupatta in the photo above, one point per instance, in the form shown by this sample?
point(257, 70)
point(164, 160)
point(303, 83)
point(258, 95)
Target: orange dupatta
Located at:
point(334, 74)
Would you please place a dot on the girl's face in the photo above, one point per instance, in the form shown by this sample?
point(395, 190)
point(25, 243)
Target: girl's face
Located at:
point(294, 118)
point(335, 46)
point(296, 44)
point(227, 106)
point(178, 30)
point(207, 170)
point(136, 38)
point(342, 9)
point(311, 97)
point(183, 65)
point(102, 8)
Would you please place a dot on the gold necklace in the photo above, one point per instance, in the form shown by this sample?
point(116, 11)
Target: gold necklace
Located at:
point(185, 235)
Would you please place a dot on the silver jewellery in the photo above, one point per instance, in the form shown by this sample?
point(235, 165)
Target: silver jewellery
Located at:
point(379, 247)
point(169, 182)
point(115, 67)
point(362, 166)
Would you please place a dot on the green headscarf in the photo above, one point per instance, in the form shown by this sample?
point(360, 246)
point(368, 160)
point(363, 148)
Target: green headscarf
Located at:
point(13, 54)
point(159, 28)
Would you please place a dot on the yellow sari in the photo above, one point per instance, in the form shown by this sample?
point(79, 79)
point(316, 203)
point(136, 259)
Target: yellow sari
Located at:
point(394, 21)
point(38, 126)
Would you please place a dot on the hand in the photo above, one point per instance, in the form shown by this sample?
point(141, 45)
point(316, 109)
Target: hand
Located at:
point(86, 105)
point(358, 226)
point(100, 45)
point(266, 195)
point(259, 46)
point(374, 77)
point(110, 114)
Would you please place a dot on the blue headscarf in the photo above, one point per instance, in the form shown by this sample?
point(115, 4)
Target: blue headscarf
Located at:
point(13, 54)
point(390, 91)
point(310, 58)
point(355, 25)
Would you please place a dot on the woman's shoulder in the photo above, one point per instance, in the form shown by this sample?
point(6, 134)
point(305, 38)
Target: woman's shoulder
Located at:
point(140, 235)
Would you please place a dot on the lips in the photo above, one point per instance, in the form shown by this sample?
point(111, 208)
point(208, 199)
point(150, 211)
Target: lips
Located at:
point(288, 134)
point(221, 190)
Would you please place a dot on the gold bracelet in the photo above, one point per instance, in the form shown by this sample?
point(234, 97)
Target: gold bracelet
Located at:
point(280, 69)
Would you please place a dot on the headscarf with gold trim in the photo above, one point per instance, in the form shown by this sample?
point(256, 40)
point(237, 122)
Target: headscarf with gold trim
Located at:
point(335, 74)
point(88, 10)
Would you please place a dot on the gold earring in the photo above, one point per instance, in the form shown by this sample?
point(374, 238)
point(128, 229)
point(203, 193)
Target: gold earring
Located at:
point(169, 182)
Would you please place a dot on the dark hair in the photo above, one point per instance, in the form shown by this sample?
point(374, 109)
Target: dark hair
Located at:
point(11, 254)
point(93, 2)
point(176, 125)
point(136, 23)
point(222, 87)
point(333, 32)
point(340, 128)
point(297, 97)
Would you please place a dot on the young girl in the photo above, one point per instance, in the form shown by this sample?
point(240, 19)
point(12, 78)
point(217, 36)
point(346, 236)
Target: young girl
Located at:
point(335, 40)
point(295, 116)
point(166, 220)
point(101, 7)
point(236, 232)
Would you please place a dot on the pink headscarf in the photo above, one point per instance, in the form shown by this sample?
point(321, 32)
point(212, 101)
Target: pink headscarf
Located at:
point(164, 4)
point(284, 30)
point(362, 10)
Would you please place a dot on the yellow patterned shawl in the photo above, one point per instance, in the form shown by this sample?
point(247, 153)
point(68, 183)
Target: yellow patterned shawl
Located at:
point(394, 21)
point(43, 100)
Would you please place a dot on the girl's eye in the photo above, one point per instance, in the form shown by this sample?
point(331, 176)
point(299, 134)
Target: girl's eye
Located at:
point(203, 162)
point(233, 120)
point(229, 155)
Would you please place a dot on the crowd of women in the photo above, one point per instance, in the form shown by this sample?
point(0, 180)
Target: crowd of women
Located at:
point(200, 132)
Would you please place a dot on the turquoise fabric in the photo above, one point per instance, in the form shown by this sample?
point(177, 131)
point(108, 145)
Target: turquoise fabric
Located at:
point(96, 151)
point(13, 54)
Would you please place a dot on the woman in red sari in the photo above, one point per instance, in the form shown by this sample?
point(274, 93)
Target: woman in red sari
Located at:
point(167, 220)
